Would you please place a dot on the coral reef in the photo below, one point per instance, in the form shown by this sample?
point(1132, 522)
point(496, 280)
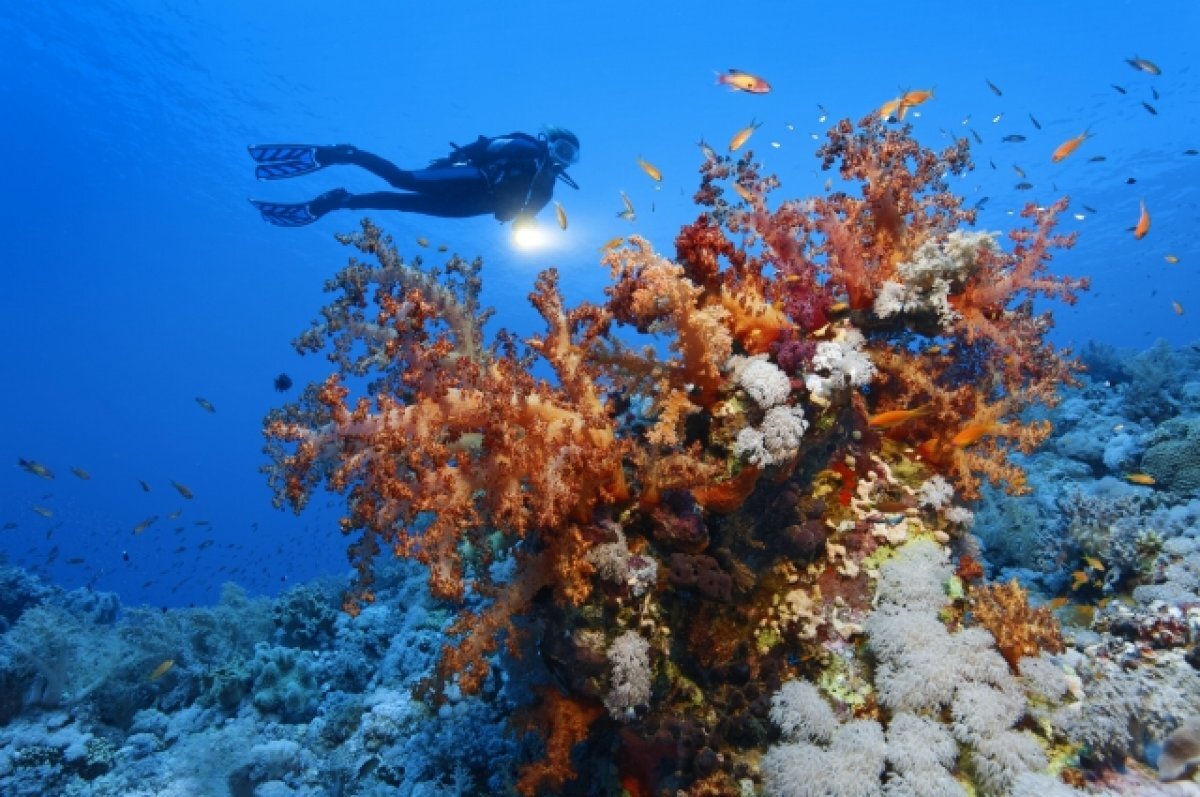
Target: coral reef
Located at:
point(833, 376)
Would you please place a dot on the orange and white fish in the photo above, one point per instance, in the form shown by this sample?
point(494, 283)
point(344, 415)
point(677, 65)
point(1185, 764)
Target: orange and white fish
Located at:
point(650, 169)
point(612, 243)
point(560, 214)
point(743, 135)
point(1177, 307)
point(1143, 224)
point(1144, 479)
point(737, 80)
point(1172, 259)
point(1070, 145)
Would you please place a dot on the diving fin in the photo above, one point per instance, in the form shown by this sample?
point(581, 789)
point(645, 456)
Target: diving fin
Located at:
point(300, 214)
point(284, 160)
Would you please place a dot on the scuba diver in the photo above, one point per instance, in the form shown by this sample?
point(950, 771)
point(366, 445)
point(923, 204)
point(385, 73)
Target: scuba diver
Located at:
point(510, 176)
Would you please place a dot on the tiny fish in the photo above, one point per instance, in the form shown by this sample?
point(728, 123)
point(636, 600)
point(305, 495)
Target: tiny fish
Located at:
point(1144, 65)
point(1143, 222)
point(982, 201)
point(744, 192)
point(145, 487)
point(709, 153)
point(1020, 172)
point(627, 213)
point(145, 524)
point(561, 215)
point(161, 669)
point(1144, 479)
point(1089, 209)
point(743, 135)
point(1023, 186)
point(1013, 138)
point(1130, 180)
point(1154, 92)
point(1177, 307)
point(43, 511)
point(1097, 159)
point(1149, 107)
point(1036, 123)
point(75, 560)
point(650, 169)
point(912, 99)
point(612, 243)
point(997, 118)
point(1080, 217)
point(737, 80)
point(175, 514)
point(36, 468)
point(1172, 259)
point(1093, 563)
point(995, 89)
point(992, 163)
point(443, 248)
point(423, 242)
point(183, 490)
point(10, 525)
point(1118, 88)
point(893, 109)
point(283, 383)
point(1191, 152)
point(205, 404)
point(978, 138)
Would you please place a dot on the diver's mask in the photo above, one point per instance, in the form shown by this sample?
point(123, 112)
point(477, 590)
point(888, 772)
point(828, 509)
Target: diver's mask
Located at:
point(564, 147)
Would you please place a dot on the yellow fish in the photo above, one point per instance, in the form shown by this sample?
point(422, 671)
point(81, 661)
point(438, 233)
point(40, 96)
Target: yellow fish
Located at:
point(1093, 563)
point(1177, 307)
point(650, 169)
point(1172, 259)
point(422, 241)
point(1144, 479)
point(161, 669)
point(36, 468)
point(560, 214)
point(744, 192)
point(743, 135)
point(612, 243)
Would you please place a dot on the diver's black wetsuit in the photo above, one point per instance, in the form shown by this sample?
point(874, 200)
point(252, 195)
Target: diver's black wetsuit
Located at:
point(506, 176)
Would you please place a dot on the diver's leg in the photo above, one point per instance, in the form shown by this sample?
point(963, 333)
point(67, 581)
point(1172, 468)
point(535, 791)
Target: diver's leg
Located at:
point(456, 180)
point(447, 205)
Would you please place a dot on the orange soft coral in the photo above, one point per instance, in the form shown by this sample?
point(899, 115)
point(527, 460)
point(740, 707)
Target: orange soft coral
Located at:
point(1020, 630)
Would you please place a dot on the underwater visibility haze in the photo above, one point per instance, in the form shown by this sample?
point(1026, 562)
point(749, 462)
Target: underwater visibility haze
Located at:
point(782, 398)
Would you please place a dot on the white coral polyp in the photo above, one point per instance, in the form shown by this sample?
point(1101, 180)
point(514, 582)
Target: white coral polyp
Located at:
point(765, 383)
point(777, 440)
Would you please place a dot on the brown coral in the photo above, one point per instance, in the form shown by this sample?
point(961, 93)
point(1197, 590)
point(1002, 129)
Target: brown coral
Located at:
point(1019, 629)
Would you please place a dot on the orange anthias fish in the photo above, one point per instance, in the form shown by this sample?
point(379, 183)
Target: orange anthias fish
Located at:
point(1144, 479)
point(1070, 145)
point(1143, 224)
point(737, 80)
point(973, 432)
point(743, 135)
point(895, 108)
point(912, 99)
point(650, 169)
point(886, 420)
point(561, 215)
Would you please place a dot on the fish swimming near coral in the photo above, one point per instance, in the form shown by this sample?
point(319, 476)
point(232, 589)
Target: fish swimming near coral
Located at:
point(283, 383)
point(1143, 479)
point(161, 669)
point(560, 215)
point(891, 418)
point(737, 80)
point(627, 213)
point(743, 135)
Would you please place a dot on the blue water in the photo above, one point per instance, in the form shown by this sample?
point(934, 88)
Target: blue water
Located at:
point(137, 277)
